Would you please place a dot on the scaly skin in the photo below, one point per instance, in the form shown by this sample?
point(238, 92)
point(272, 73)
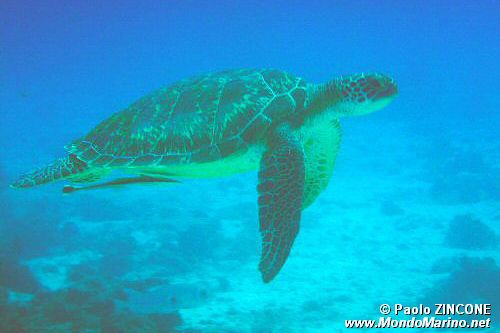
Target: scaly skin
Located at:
point(352, 95)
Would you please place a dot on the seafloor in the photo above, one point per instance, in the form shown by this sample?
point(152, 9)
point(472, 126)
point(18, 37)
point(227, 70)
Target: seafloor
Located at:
point(408, 218)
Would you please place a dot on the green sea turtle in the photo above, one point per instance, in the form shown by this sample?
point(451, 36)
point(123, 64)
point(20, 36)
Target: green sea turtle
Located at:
point(226, 123)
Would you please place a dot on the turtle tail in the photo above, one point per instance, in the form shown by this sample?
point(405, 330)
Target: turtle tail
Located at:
point(60, 169)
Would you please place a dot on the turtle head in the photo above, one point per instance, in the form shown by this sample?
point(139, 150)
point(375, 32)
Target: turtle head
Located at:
point(359, 94)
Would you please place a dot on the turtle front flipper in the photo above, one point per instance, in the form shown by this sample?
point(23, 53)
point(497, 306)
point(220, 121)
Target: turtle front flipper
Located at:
point(281, 188)
point(321, 144)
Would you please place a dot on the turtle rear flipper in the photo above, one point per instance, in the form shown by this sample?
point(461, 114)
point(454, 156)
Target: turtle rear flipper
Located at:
point(69, 167)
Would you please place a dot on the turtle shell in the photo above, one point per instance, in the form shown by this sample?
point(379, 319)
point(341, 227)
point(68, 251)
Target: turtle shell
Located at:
point(195, 120)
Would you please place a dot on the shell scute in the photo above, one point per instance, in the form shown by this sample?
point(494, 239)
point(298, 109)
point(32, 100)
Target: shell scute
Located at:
point(89, 155)
point(299, 95)
point(103, 160)
point(229, 147)
point(227, 110)
point(145, 160)
point(120, 162)
point(256, 129)
point(278, 81)
point(210, 153)
point(241, 101)
point(169, 159)
point(279, 108)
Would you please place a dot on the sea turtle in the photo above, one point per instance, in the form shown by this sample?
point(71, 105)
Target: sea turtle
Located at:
point(226, 123)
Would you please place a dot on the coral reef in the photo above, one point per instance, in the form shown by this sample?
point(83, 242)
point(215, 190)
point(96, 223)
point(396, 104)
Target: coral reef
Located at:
point(200, 241)
point(458, 189)
point(90, 307)
point(471, 280)
point(14, 275)
point(467, 232)
point(33, 231)
point(458, 174)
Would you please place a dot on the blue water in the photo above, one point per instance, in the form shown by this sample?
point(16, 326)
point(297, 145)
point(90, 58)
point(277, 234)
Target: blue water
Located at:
point(411, 216)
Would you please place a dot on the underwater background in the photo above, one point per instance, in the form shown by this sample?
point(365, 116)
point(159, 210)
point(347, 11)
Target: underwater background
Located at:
point(412, 214)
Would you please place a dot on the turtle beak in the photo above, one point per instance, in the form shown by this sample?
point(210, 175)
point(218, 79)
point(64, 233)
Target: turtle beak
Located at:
point(388, 90)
